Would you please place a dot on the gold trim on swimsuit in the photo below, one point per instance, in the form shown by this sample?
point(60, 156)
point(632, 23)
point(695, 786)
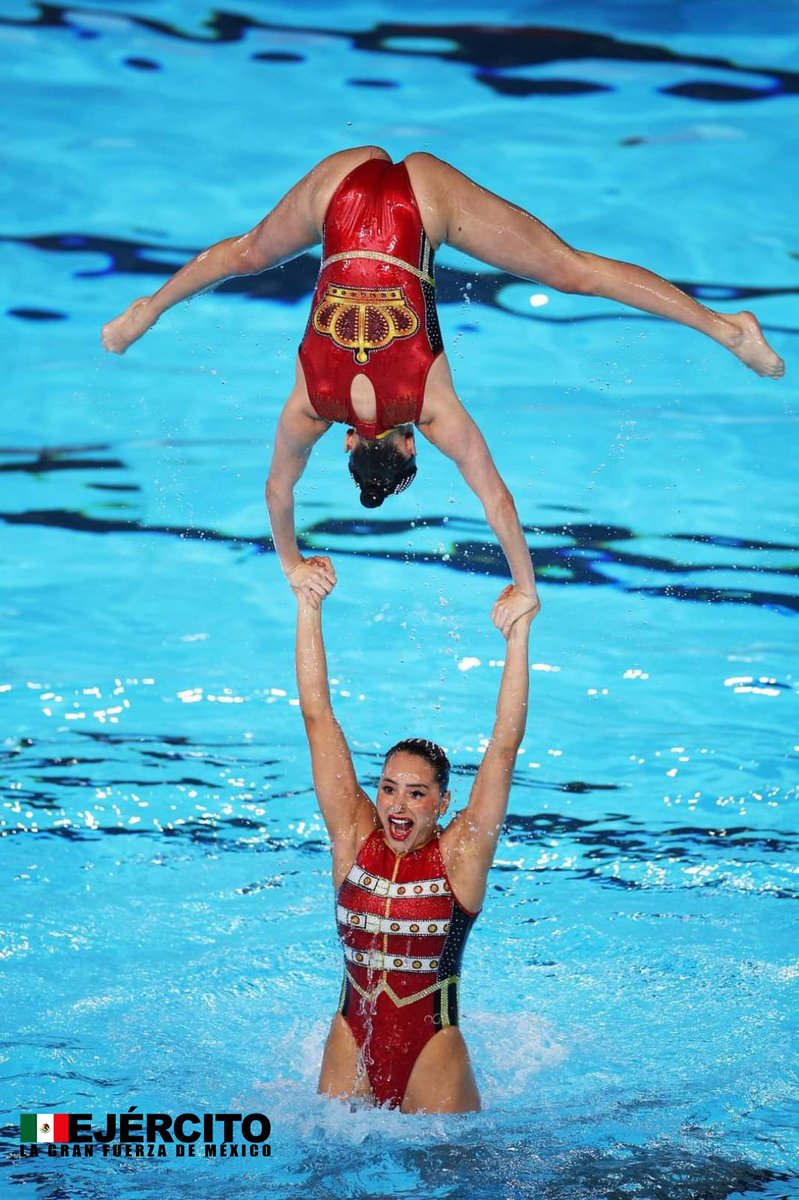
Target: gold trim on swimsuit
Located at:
point(386, 258)
point(441, 985)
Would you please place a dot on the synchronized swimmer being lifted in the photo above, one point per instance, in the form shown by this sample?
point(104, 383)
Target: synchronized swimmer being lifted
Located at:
point(372, 355)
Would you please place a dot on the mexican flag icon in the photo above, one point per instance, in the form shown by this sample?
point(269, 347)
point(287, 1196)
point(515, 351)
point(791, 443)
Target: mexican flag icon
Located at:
point(44, 1127)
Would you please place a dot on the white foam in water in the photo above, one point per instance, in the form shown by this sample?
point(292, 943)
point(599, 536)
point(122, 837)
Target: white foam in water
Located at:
point(509, 1051)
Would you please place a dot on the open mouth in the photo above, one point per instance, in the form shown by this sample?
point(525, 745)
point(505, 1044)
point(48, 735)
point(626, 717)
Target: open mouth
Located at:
point(400, 828)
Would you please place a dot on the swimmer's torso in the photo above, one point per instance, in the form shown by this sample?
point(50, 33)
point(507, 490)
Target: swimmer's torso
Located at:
point(403, 934)
point(373, 311)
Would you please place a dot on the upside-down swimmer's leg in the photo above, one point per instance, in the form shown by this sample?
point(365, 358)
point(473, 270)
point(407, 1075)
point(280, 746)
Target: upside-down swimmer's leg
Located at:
point(460, 212)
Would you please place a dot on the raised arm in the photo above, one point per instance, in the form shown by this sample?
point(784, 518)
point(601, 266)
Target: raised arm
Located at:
point(457, 211)
point(469, 842)
point(313, 578)
point(347, 811)
point(451, 430)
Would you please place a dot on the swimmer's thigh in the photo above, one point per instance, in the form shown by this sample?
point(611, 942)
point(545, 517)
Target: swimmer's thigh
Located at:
point(342, 1071)
point(442, 1079)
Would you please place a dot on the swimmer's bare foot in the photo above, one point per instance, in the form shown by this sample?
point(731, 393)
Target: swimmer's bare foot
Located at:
point(124, 330)
point(748, 344)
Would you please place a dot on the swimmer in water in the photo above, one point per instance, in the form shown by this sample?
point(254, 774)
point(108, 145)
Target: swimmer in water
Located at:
point(372, 358)
point(407, 891)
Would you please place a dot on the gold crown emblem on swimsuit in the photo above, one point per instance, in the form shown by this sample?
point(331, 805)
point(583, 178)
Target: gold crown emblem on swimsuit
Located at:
point(364, 319)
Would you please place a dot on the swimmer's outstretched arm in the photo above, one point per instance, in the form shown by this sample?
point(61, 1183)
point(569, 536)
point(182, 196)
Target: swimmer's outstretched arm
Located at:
point(297, 432)
point(457, 211)
point(448, 426)
point(469, 842)
point(345, 807)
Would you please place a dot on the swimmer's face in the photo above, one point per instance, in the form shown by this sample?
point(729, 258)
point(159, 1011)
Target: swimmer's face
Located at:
point(409, 801)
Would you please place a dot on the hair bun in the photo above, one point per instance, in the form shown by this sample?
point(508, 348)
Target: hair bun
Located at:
point(372, 495)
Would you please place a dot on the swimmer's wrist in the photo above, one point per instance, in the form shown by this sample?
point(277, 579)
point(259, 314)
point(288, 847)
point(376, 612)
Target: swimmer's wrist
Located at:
point(288, 573)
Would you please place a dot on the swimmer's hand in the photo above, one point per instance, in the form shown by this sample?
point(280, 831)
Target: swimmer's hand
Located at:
point(512, 603)
point(312, 579)
point(127, 328)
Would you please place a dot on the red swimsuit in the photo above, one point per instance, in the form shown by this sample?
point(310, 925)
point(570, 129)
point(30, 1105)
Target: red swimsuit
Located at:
point(403, 933)
point(373, 310)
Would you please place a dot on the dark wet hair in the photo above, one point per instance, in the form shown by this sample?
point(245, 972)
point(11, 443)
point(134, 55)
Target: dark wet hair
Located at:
point(430, 752)
point(380, 470)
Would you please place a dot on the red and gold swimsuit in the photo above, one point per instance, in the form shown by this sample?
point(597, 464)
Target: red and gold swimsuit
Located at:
point(403, 933)
point(373, 311)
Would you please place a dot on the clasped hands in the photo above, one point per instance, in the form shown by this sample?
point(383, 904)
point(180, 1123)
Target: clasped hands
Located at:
point(312, 579)
point(511, 604)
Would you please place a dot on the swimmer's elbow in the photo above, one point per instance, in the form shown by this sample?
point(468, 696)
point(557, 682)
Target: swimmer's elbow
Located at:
point(505, 745)
point(319, 721)
point(499, 504)
point(278, 495)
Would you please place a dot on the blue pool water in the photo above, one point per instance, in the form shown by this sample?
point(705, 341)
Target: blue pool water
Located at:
point(166, 931)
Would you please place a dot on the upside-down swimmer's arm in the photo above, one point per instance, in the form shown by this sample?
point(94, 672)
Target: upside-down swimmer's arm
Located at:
point(455, 434)
point(295, 436)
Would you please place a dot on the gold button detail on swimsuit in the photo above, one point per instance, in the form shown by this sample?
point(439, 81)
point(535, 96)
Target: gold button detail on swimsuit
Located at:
point(446, 927)
point(445, 887)
point(418, 889)
point(367, 881)
point(433, 963)
point(394, 926)
point(397, 962)
point(417, 966)
point(354, 920)
point(400, 891)
point(414, 928)
point(432, 929)
point(433, 887)
point(359, 958)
